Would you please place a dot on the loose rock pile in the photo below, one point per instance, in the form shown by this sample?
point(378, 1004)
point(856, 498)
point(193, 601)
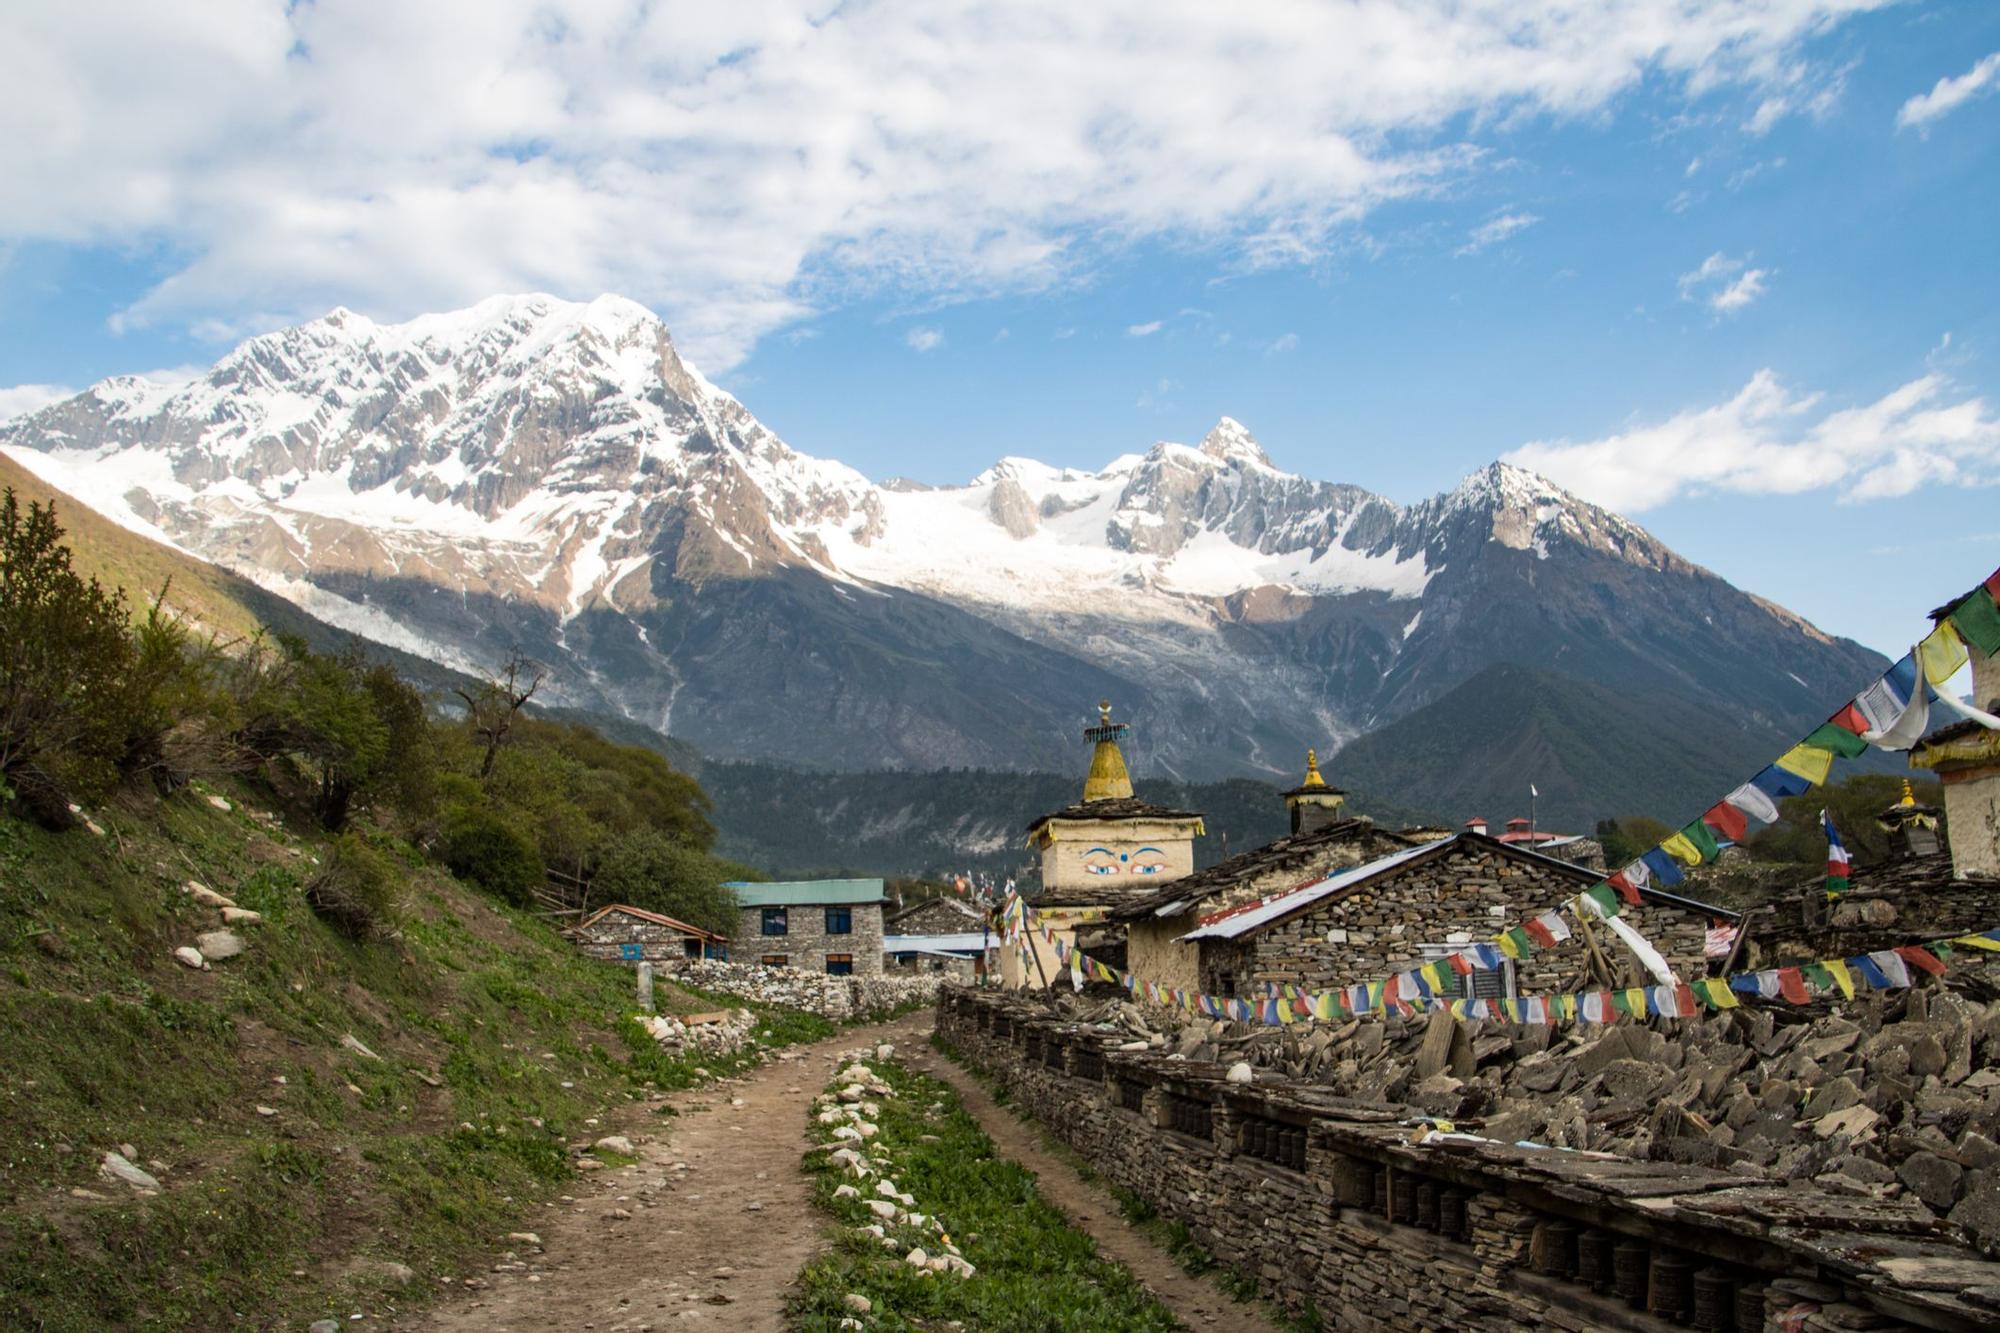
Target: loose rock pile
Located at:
point(213, 946)
point(716, 1034)
point(1892, 1095)
point(845, 1115)
point(837, 998)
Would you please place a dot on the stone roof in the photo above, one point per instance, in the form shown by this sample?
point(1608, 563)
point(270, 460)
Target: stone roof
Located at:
point(658, 919)
point(1122, 807)
point(958, 905)
point(1293, 849)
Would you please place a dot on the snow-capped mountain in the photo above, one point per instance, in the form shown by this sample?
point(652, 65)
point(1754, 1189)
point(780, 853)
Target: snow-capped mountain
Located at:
point(551, 475)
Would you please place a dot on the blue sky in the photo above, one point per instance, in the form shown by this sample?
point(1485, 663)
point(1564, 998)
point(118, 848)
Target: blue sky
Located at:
point(1732, 273)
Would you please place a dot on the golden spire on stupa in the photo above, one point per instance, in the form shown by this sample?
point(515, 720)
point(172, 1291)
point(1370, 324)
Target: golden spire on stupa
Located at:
point(1109, 780)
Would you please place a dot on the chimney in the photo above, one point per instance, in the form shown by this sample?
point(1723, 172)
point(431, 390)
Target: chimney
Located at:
point(1476, 824)
point(1966, 755)
point(1313, 804)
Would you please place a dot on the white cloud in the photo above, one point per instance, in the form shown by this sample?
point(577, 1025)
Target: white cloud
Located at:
point(1495, 230)
point(1146, 330)
point(1769, 440)
point(1284, 342)
point(742, 167)
point(1948, 94)
point(1723, 284)
point(924, 338)
point(22, 399)
point(1064, 333)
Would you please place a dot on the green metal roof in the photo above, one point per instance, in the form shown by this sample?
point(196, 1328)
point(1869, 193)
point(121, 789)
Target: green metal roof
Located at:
point(806, 892)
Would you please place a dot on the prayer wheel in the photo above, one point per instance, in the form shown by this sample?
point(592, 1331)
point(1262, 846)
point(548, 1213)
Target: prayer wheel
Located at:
point(1670, 1287)
point(1552, 1248)
point(1353, 1182)
point(1714, 1301)
point(1628, 1272)
point(1451, 1212)
point(1403, 1198)
point(1382, 1190)
point(1593, 1259)
point(1427, 1205)
point(1750, 1308)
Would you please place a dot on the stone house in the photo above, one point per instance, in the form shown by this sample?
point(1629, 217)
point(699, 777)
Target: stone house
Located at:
point(1323, 841)
point(625, 934)
point(1422, 902)
point(822, 925)
point(1105, 851)
point(935, 916)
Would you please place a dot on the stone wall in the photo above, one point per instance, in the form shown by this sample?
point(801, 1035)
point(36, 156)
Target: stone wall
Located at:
point(940, 916)
point(1360, 1213)
point(1461, 897)
point(806, 942)
point(607, 936)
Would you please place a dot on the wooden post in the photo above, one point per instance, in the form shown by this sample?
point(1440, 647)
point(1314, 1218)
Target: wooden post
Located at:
point(1596, 957)
point(1742, 936)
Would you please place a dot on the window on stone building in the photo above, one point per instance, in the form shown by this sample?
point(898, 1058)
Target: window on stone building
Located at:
point(1483, 984)
point(840, 921)
point(774, 921)
point(776, 960)
point(840, 964)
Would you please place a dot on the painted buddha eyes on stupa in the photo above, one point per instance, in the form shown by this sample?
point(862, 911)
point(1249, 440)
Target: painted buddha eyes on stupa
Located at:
point(1104, 861)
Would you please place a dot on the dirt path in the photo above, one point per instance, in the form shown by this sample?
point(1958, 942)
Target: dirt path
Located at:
point(706, 1230)
point(1197, 1302)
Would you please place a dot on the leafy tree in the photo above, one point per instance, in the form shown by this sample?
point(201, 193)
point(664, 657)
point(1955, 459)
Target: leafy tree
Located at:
point(482, 846)
point(1854, 802)
point(1626, 839)
point(65, 647)
point(652, 870)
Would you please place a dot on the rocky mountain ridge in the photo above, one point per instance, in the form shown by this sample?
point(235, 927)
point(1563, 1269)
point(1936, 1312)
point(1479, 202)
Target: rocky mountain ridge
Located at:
point(552, 476)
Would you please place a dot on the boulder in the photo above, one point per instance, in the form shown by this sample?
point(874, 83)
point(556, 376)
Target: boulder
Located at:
point(204, 895)
point(117, 1166)
point(617, 1143)
point(188, 956)
point(217, 945)
point(1932, 1178)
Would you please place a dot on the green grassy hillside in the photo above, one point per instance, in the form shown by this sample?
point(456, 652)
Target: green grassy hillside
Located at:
point(295, 1170)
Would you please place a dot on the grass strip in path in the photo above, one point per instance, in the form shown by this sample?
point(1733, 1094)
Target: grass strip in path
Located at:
point(1032, 1270)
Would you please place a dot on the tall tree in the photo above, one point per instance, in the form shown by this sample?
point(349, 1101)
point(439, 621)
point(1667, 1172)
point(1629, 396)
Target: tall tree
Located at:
point(490, 708)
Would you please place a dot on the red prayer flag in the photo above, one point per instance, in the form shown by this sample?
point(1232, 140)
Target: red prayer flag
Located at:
point(1389, 991)
point(1921, 957)
point(1792, 985)
point(1624, 887)
point(1460, 964)
point(1850, 719)
point(1993, 584)
point(1728, 822)
point(1683, 999)
point(1538, 932)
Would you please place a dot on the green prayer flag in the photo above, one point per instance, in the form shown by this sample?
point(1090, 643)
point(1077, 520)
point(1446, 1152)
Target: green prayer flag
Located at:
point(1977, 621)
point(1816, 973)
point(1605, 897)
point(1622, 1002)
point(1703, 838)
point(1838, 739)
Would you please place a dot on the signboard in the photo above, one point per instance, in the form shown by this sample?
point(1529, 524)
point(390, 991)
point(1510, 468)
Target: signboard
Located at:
point(632, 953)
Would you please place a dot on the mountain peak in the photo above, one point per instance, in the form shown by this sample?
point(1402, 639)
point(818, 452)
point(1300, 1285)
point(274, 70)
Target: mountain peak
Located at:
point(1231, 440)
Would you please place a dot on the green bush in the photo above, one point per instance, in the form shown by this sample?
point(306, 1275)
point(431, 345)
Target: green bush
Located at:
point(356, 889)
point(482, 847)
point(660, 874)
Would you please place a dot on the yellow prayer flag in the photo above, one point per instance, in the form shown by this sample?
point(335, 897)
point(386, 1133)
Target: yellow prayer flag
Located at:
point(1636, 997)
point(1840, 976)
point(1978, 942)
point(1682, 849)
point(1941, 653)
point(1807, 761)
point(1507, 945)
point(1719, 992)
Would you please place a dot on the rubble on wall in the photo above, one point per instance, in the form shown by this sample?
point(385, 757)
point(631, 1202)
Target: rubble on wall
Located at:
point(1892, 1096)
point(712, 1034)
point(834, 997)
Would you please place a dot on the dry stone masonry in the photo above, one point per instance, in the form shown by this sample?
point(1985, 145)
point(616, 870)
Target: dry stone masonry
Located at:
point(837, 998)
point(1765, 1174)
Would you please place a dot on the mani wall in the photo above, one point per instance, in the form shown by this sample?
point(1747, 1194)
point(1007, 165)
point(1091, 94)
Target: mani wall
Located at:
point(1341, 1206)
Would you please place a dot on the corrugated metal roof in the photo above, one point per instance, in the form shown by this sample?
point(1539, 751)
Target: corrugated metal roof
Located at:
point(806, 892)
point(968, 942)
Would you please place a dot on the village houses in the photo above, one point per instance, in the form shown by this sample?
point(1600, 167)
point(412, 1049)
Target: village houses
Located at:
point(820, 925)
